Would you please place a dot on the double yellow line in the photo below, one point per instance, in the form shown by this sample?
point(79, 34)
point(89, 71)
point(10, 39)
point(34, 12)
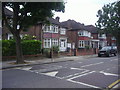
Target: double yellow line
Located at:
point(113, 84)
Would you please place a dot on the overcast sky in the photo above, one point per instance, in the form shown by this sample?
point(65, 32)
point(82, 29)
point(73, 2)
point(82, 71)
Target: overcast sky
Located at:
point(83, 11)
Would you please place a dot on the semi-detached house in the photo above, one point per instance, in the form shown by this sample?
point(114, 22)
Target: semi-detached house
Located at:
point(53, 34)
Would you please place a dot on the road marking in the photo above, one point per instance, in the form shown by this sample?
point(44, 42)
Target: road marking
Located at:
point(24, 68)
point(79, 62)
point(51, 73)
point(92, 64)
point(114, 60)
point(73, 75)
point(82, 75)
point(77, 68)
point(114, 83)
point(82, 83)
point(108, 73)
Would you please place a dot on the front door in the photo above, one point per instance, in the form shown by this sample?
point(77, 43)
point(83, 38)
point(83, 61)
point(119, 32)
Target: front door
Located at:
point(62, 45)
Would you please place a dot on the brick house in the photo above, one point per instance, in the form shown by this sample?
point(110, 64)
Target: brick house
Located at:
point(54, 35)
point(111, 40)
point(79, 36)
point(50, 35)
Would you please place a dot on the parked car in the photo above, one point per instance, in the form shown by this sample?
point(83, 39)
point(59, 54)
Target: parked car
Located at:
point(107, 51)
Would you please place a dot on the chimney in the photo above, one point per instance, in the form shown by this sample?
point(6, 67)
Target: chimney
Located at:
point(57, 18)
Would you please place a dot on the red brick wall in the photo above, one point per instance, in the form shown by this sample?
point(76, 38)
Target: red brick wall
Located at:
point(83, 38)
point(48, 35)
point(95, 35)
point(73, 37)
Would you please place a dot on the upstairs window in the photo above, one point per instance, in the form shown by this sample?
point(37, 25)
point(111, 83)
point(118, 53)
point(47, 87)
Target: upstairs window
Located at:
point(62, 31)
point(84, 33)
point(51, 29)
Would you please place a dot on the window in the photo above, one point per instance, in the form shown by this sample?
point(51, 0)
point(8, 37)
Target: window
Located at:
point(47, 43)
point(80, 33)
point(47, 28)
point(50, 28)
point(62, 31)
point(55, 42)
point(113, 38)
point(81, 44)
point(55, 29)
point(84, 33)
point(10, 36)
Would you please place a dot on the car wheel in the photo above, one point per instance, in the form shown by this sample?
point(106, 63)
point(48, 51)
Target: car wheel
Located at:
point(114, 54)
point(99, 55)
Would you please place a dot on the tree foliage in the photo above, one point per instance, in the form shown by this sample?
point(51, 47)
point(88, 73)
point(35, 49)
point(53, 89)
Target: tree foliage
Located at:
point(109, 19)
point(26, 14)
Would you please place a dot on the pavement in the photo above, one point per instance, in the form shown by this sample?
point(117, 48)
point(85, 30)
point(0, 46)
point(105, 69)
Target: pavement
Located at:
point(10, 64)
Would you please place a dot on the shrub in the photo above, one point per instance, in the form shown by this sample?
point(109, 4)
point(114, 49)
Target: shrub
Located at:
point(46, 52)
point(87, 47)
point(28, 46)
point(28, 37)
point(55, 49)
point(31, 47)
point(8, 48)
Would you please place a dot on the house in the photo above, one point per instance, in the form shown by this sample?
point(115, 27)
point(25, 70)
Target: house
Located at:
point(77, 34)
point(94, 35)
point(111, 40)
point(103, 40)
point(79, 37)
point(52, 34)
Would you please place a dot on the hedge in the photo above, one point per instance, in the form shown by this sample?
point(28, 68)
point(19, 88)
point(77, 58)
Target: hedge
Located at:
point(29, 47)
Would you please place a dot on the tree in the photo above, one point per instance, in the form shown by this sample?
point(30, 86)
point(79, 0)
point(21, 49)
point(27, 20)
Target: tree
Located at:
point(109, 20)
point(26, 14)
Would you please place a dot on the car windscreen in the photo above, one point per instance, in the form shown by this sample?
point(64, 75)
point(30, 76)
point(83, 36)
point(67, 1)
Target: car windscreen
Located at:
point(106, 48)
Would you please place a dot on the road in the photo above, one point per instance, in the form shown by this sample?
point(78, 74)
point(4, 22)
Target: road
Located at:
point(96, 72)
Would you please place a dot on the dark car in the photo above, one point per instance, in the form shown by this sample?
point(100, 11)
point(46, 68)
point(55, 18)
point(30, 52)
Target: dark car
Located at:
point(107, 51)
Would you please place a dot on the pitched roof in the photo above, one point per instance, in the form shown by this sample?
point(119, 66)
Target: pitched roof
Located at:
point(53, 21)
point(92, 28)
point(73, 25)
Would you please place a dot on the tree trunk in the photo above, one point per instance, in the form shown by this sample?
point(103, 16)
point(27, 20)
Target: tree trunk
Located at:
point(118, 48)
point(19, 53)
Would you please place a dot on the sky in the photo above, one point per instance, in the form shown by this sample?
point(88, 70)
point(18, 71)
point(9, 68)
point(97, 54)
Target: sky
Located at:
point(83, 11)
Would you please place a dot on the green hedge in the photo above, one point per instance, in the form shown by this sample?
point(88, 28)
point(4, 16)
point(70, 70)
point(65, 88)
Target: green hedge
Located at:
point(29, 47)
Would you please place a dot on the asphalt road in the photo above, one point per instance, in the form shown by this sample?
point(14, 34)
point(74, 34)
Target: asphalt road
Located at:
point(97, 72)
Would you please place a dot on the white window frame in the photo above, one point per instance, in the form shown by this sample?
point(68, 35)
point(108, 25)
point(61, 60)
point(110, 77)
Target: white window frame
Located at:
point(54, 42)
point(81, 44)
point(84, 33)
point(62, 31)
point(48, 43)
point(55, 28)
point(10, 35)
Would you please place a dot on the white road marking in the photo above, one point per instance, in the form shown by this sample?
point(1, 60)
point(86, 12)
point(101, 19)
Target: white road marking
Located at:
point(108, 73)
point(24, 68)
point(82, 83)
point(82, 75)
point(51, 73)
point(92, 64)
point(75, 74)
point(79, 62)
point(77, 68)
point(114, 60)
